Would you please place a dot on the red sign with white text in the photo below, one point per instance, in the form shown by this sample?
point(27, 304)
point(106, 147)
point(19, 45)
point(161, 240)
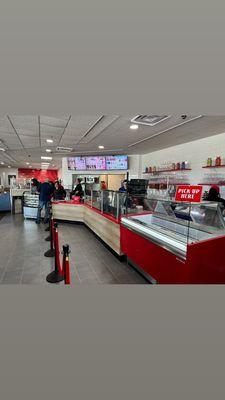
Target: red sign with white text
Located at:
point(189, 193)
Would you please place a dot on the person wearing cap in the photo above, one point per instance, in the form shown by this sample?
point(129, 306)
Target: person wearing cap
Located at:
point(214, 195)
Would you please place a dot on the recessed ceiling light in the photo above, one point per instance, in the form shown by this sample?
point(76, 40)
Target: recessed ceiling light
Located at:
point(2, 163)
point(27, 163)
point(9, 166)
point(46, 158)
point(49, 140)
point(48, 150)
point(101, 147)
point(134, 126)
point(30, 166)
point(1, 149)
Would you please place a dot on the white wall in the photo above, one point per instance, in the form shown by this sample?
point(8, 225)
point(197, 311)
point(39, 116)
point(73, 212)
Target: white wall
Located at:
point(4, 172)
point(196, 153)
point(134, 170)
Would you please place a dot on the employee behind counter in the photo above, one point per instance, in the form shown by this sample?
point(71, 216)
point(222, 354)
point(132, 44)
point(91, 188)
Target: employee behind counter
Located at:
point(214, 195)
point(78, 191)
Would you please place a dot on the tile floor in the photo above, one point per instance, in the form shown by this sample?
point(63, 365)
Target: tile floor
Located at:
point(22, 260)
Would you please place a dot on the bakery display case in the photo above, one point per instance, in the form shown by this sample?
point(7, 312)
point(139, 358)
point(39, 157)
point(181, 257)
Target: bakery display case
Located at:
point(175, 242)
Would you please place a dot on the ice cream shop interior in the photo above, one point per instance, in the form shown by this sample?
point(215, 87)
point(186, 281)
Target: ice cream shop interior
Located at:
point(112, 199)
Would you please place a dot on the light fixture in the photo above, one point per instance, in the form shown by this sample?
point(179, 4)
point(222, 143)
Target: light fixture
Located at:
point(30, 166)
point(49, 140)
point(46, 158)
point(134, 126)
point(1, 149)
point(2, 163)
point(101, 147)
point(45, 163)
point(48, 150)
point(9, 166)
point(27, 163)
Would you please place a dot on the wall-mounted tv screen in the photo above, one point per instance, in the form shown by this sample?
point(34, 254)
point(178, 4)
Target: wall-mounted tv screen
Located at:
point(95, 163)
point(116, 162)
point(77, 163)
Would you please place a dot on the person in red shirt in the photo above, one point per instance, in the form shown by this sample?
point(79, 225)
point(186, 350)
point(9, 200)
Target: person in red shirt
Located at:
point(103, 185)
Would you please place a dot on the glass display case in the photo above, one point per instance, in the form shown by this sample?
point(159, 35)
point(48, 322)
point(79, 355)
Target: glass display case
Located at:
point(30, 205)
point(109, 202)
point(174, 225)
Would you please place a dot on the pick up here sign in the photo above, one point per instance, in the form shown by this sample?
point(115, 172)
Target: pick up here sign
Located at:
point(189, 193)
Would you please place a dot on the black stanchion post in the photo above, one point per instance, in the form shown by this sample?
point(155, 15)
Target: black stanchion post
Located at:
point(51, 251)
point(56, 275)
point(66, 265)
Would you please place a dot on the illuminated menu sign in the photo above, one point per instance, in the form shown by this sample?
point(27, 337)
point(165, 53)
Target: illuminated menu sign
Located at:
point(77, 163)
point(116, 162)
point(95, 163)
point(98, 163)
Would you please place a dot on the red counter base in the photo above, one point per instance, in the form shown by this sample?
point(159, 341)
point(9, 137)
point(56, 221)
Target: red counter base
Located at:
point(205, 262)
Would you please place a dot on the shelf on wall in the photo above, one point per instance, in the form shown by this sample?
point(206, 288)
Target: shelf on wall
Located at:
point(214, 166)
point(211, 184)
point(170, 184)
point(167, 170)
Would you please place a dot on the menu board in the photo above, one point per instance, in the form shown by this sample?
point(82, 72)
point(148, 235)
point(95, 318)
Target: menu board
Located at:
point(77, 163)
point(116, 162)
point(95, 163)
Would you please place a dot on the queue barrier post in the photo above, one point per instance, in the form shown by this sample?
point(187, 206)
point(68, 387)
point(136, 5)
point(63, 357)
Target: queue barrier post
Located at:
point(56, 275)
point(48, 238)
point(66, 264)
point(51, 251)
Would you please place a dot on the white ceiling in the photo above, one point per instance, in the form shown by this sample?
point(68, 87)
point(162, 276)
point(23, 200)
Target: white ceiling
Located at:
point(24, 137)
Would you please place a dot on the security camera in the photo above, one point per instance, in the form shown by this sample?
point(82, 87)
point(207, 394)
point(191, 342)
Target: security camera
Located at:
point(183, 116)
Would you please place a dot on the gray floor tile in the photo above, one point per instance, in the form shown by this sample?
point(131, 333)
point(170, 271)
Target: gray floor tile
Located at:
point(12, 277)
point(22, 260)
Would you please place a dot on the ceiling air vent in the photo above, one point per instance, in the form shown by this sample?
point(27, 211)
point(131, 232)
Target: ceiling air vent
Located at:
point(64, 149)
point(150, 120)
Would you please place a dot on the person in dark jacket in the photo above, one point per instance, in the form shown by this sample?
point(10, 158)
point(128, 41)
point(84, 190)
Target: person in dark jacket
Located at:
point(214, 195)
point(45, 194)
point(59, 192)
point(35, 184)
point(78, 191)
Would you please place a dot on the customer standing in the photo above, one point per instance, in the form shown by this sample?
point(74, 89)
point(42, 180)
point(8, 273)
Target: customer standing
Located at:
point(45, 194)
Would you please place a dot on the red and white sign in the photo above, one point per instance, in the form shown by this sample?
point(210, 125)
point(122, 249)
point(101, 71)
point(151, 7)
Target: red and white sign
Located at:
point(189, 193)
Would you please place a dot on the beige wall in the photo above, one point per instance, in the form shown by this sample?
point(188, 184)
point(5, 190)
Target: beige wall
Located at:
point(114, 181)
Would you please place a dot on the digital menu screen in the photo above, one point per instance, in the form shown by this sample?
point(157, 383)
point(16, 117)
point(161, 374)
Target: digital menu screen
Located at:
point(116, 162)
point(95, 163)
point(98, 163)
point(77, 163)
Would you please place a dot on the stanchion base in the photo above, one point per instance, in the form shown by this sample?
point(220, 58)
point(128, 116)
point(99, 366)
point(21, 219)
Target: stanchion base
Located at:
point(48, 239)
point(47, 229)
point(50, 253)
point(54, 277)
